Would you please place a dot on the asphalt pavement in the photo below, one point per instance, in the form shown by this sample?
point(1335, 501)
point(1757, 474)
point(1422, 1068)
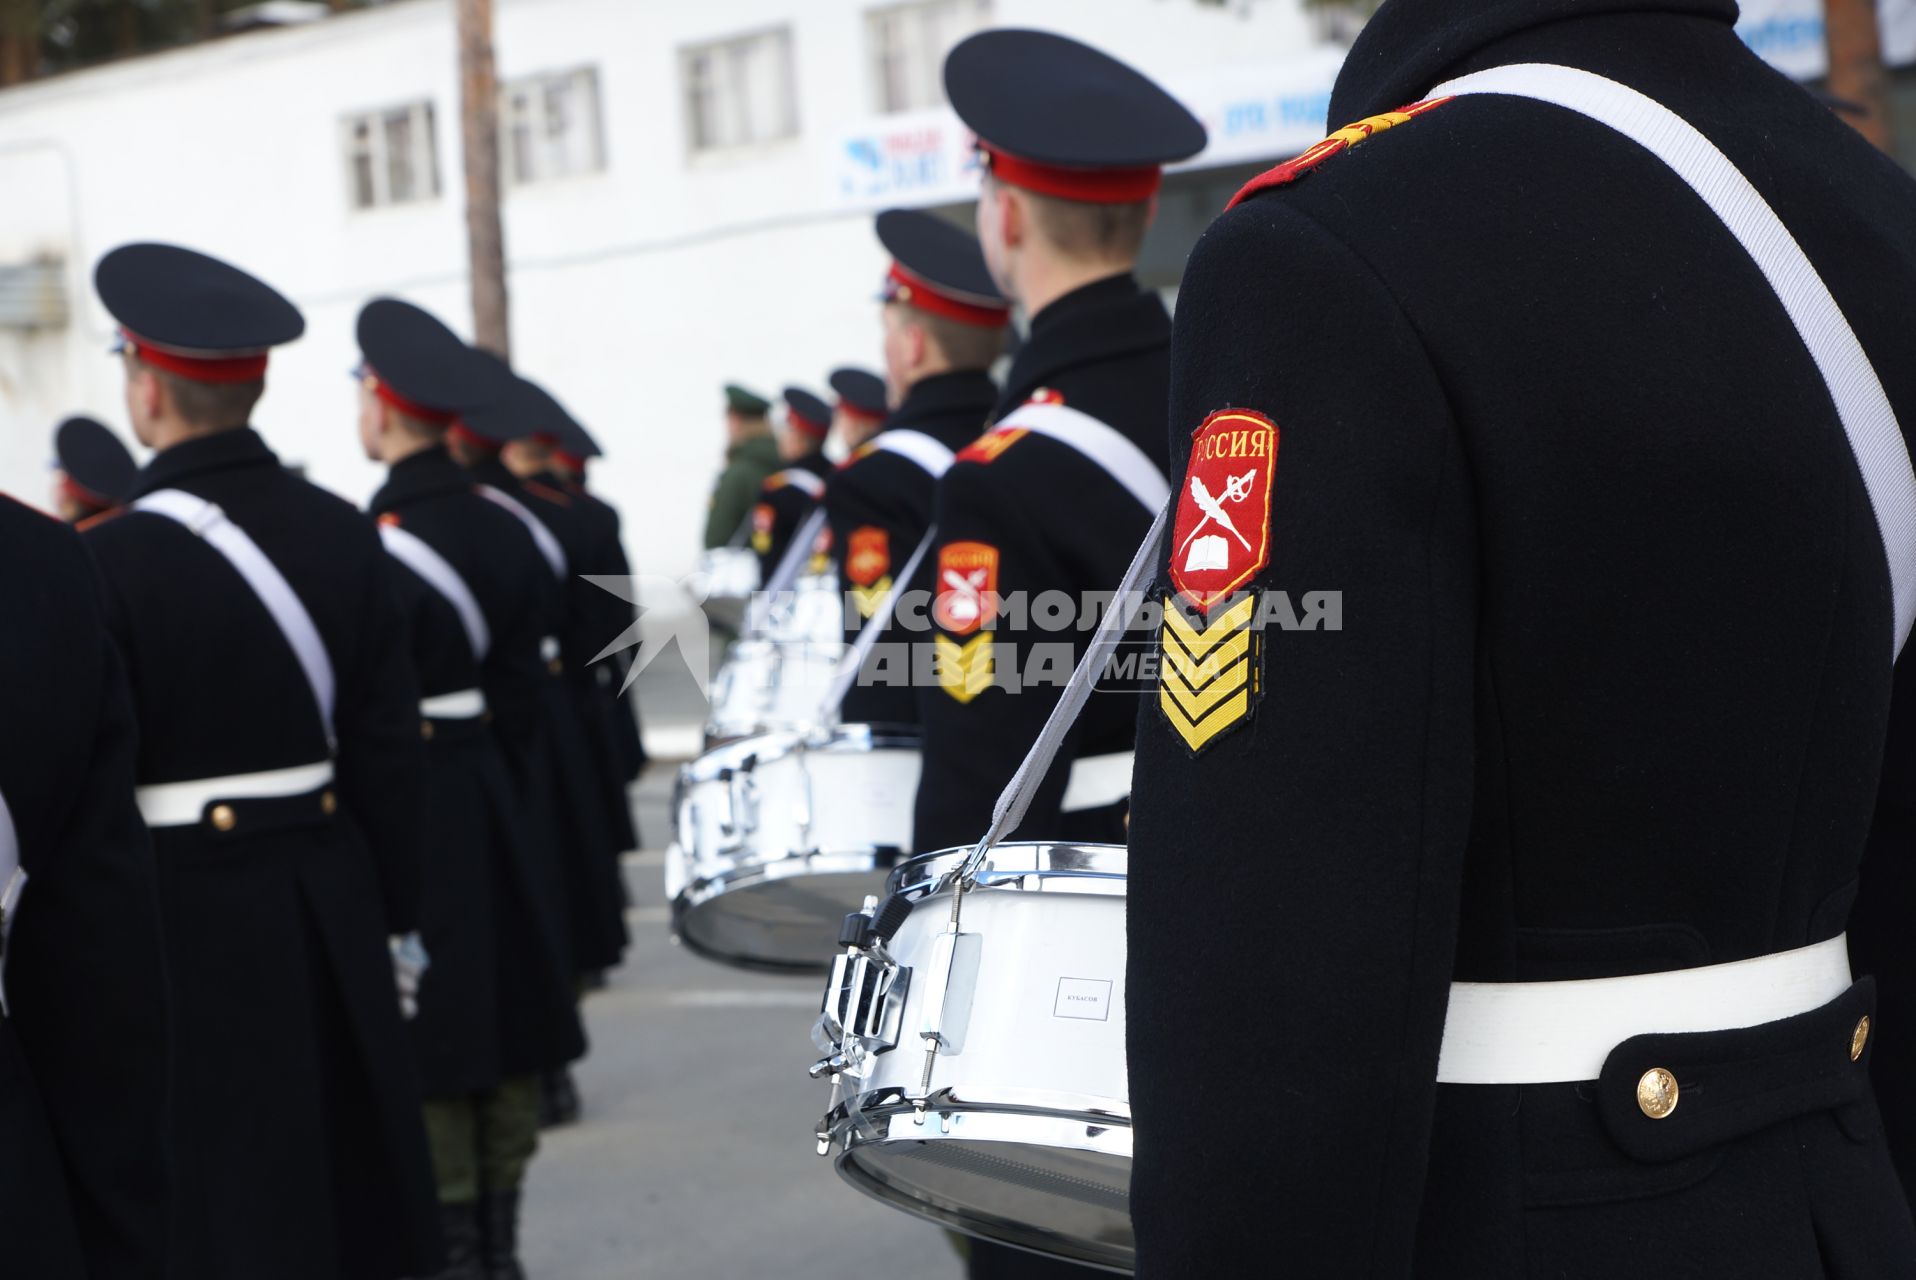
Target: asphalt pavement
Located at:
point(695, 1156)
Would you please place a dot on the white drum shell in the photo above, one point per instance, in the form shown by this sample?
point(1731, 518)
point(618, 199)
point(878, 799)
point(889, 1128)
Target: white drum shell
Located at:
point(780, 836)
point(1025, 1136)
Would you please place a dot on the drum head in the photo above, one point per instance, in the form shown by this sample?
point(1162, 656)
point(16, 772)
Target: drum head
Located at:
point(1065, 1203)
point(790, 922)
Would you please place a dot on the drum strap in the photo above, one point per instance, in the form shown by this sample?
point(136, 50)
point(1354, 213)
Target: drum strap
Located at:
point(542, 536)
point(1099, 441)
point(1875, 437)
point(931, 457)
point(787, 569)
point(804, 481)
point(418, 555)
point(12, 882)
point(210, 525)
point(1012, 803)
point(853, 659)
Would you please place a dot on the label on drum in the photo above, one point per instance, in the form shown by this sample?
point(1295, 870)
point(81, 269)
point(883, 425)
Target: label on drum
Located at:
point(1086, 998)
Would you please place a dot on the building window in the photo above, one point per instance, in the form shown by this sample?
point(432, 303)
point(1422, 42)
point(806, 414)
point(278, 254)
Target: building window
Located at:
point(739, 91)
point(550, 126)
point(908, 46)
point(392, 156)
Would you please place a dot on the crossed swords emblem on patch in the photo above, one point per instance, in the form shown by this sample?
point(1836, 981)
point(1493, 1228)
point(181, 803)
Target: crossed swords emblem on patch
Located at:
point(1236, 490)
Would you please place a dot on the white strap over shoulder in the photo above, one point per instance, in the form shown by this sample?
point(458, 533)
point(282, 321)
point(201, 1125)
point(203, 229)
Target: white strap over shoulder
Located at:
point(933, 458)
point(1875, 437)
point(211, 525)
point(804, 481)
point(12, 881)
point(1099, 441)
point(542, 535)
point(418, 555)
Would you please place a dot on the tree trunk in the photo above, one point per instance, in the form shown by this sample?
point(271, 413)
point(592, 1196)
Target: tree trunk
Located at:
point(1856, 66)
point(479, 120)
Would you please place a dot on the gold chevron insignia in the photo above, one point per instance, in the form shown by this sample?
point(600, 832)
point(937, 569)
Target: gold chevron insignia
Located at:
point(1209, 675)
point(869, 598)
point(964, 670)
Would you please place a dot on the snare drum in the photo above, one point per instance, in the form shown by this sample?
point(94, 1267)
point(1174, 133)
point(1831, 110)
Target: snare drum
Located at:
point(781, 835)
point(1018, 1129)
point(724, 583)
point(767, 686)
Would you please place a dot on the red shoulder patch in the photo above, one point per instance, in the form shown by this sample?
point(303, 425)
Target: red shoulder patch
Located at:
point(867, 555)
point(1341, 141)
point(547, 492)
point(390, 520)
point(990, 446)
point(95, 520)
point(863, 451)
point(1222, 535)
point(967, 593)
point(1046, 395)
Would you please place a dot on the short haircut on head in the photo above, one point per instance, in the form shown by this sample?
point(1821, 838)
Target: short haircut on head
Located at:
point(1091, 232)
point(964, 346)
point(211, 405)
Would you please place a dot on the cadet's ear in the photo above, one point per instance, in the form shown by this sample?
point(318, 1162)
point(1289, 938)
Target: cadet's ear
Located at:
point(1012, 215)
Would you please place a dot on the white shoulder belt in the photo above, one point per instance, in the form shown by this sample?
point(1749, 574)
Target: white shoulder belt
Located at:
point(418, 555)
point(1875, 437)
point(934, 458)
point(12, 881)
point(802, 480)
point(211, 525)
point(1099, 441)
point(542, 535)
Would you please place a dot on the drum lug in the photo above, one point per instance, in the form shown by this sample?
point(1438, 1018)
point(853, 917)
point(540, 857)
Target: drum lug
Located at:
point(864, 1007)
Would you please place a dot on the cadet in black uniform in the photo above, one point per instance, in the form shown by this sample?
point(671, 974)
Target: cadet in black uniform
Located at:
point(594, 616)
point(944, 326)
point(83, 1030)
point(1057, 500)
point(566, 464)
point(281, 772)
point(1057, 495)
point(861, 403)
point(792, 492)
point(567, 774)
point(94, 470)
point(1609, 695)
point(496, 1006)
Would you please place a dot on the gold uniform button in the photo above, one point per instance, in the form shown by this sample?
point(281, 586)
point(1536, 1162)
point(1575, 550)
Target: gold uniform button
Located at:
point(328, 803)
point(1657, 1093)
point(1858, 1038)
point(223, 817)
point(425, 730)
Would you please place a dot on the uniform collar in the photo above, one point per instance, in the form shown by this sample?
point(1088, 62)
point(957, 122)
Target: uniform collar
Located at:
point(239, 447)
point(1412, 45)
point(429, 473)
point(947, 403)
point(759, 448)
point(1098, 321)
point(495, 472)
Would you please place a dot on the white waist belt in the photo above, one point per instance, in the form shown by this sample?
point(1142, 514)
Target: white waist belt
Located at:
point(1097, 781)
point(1545, 1032)
point(467, 704)
point(181, 804)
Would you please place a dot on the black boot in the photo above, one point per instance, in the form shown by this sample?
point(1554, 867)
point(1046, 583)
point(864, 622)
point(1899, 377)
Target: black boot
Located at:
point(459, 1223)
point(558, 1099)
point(502, 1236)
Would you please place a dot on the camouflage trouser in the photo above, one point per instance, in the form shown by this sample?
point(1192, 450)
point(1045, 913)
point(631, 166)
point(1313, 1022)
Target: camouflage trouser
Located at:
point(483, 1142)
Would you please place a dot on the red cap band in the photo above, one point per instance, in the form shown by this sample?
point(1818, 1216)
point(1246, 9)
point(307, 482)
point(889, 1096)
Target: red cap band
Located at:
point(411, 408)
point(197, 368)
point(570, 461)
point(472, 439)
point(83, 495)
point(1093, 186)
point(915, 291)
point(805, 425)
point(851, 410)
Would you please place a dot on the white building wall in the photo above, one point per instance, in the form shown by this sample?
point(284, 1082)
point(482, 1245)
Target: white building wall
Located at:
point(636, 291)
